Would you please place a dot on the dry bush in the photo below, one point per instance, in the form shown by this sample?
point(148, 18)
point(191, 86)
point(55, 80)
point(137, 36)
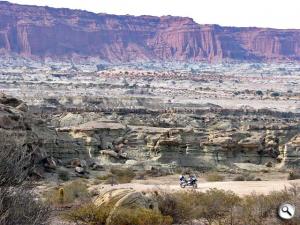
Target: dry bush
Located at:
point(93, 215)
point(214, 207)
point(158, 172)
point(294, 175)
point(169, 205)
point(184, 206)
point(218, 206)
point(121, 175)
point(245, 177)
point(88, 214)
point(257, 209)
point(75, 190)
point(21, 207)
point(140, 216)
point(16, 163)
point(214, 177)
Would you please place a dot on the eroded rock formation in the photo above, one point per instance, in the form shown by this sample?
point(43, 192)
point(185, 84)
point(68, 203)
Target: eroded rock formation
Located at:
point(58, 33)
point(197, 142)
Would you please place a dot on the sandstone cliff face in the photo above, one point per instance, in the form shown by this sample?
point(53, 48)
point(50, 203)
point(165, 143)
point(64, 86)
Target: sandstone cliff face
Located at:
point(201, 144)
point(197, 141)
point(58, 33)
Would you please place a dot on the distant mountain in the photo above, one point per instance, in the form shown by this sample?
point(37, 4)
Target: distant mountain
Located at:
point(63, 33)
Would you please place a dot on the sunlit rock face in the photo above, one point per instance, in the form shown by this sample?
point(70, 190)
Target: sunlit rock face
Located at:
point(128, 140)
point(62, 33)
point(198, 144)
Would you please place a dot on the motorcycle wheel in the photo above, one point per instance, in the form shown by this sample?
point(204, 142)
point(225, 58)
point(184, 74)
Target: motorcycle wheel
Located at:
point(195, 186)
point(182, 185)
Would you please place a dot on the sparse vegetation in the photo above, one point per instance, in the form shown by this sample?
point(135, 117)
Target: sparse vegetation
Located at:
point(18, 204)
point(122, 175)
point(117, 176)
point(69, 193)
point(140, 216)
point(213, 207)
point(220, 207)
point(244, 177)
point(214, 177)
point(93, 215)
point(294, 175)
point(88, 214)
point(63, 174)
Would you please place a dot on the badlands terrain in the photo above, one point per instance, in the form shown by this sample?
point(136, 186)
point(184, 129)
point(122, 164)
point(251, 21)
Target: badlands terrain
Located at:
point(100, 114)
point(132, 128)
point(201, 116)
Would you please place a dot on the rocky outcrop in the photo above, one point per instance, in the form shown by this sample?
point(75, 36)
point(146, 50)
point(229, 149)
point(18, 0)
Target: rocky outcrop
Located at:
point(47, 32)
point(19, 130)
point(18, 125)
point(193, 142)
point(291, 152)
point(125, 198)
point(222, 141)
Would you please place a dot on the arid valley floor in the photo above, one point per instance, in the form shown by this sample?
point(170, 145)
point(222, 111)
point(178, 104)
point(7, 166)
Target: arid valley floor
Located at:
point(235, 125)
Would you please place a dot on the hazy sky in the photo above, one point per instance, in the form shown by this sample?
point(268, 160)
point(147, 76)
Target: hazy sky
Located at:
point(261, 13)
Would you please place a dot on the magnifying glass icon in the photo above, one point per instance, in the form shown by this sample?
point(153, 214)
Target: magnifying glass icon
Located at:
point(286, 211)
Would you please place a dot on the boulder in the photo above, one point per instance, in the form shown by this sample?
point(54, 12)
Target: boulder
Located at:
point(80, 170)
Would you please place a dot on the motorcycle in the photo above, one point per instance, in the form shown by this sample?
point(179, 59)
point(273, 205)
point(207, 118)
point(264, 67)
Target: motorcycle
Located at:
point(191, 182)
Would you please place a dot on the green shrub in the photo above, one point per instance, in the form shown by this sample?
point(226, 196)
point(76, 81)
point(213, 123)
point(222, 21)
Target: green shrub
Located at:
point(214, 176)
point(63, 174)
point(75, 190)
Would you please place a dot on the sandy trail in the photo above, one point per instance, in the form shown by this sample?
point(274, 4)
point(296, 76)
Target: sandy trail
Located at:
point(239, 187)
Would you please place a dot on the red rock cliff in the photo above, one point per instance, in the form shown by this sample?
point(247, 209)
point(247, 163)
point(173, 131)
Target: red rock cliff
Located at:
point(48, 32)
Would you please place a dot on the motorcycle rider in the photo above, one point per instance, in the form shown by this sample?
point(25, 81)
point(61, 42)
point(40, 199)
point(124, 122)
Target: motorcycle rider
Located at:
point(191, 178)
point(182, 178)
point(192, 181)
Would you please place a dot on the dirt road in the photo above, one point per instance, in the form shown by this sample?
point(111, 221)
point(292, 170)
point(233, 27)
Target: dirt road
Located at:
point(239, 187)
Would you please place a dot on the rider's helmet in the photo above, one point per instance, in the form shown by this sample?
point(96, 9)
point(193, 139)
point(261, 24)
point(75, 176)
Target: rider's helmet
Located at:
point(181, 177)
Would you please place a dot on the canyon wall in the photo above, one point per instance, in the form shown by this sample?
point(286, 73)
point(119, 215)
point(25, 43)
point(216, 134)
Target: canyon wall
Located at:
point(41, 32)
